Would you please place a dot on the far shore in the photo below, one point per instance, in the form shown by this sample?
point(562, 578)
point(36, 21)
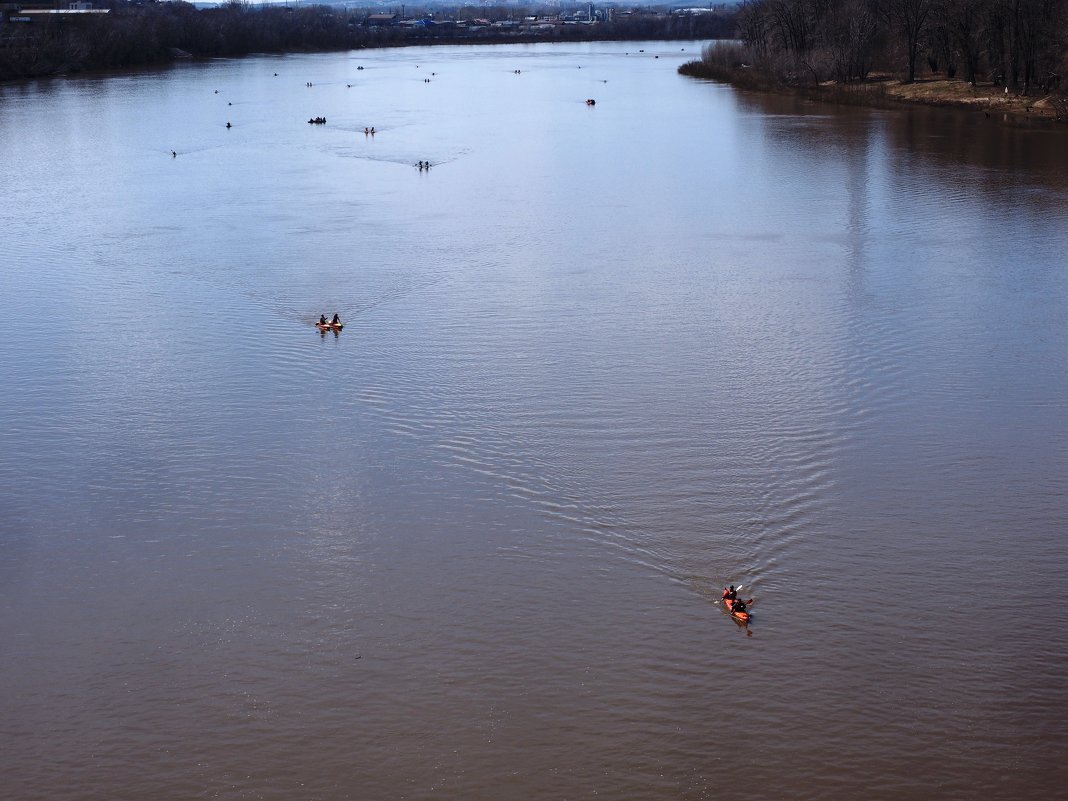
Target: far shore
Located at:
point(985, 100)
point(134, 34)
point(170, 59)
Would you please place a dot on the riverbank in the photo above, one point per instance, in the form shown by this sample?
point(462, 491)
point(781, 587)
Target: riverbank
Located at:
point(884, 91)
point(62, 65)
point(141, 36)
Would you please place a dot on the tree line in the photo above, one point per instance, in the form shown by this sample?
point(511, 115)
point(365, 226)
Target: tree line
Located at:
point(1021, 44)
point(137, 34)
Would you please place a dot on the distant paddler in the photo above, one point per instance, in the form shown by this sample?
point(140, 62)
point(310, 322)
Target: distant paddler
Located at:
point(334, 325)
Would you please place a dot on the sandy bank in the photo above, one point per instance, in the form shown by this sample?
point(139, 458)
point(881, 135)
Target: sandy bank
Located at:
point(885, 91)
point(987, 98)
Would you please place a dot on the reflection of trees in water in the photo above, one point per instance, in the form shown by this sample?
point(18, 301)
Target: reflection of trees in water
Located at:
point(923, 137)
point(1003, 152)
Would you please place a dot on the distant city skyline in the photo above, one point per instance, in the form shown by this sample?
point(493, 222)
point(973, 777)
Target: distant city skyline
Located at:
point(442, 5)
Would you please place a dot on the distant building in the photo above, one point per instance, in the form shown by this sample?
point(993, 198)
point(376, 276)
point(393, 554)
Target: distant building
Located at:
point(30, 10)
point(383, 20)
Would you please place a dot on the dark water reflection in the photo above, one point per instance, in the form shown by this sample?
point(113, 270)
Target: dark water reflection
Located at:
point(1032, 151)
point(597, 363)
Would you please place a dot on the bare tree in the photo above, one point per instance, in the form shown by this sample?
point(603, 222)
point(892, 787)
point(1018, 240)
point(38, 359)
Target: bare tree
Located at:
point(966, 22)
point(850, 36)
point(910, 18)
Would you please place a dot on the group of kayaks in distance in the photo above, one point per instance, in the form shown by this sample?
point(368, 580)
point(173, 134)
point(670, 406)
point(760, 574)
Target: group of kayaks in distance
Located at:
point(332, 325)
point(738, 608)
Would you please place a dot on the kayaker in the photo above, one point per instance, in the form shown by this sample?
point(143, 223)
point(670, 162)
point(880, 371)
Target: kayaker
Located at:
point(322, 320)
point(336, 320)
point(739, 607)
point(730, 594)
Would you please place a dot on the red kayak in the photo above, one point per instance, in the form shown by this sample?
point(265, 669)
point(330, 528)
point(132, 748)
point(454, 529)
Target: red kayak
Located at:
point(742, 616)
point(329, 326)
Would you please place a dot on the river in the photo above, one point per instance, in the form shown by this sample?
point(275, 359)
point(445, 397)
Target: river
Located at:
point(598, 362)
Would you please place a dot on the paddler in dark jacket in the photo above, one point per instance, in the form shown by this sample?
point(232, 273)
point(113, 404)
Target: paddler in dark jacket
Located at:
point(336, 320)
point(730, 594)
point(322, 320)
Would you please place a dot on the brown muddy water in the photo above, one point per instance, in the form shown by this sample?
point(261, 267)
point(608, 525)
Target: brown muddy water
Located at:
point(599, 361)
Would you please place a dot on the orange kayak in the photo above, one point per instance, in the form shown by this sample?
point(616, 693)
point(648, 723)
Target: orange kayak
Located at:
point(742, 616)
point(329, 326)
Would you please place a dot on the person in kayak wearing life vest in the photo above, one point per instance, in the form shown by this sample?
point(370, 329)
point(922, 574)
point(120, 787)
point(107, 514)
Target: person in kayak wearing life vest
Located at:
point(322, 320)
point(739, 607)
point(336, 320)
point(730, 594)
